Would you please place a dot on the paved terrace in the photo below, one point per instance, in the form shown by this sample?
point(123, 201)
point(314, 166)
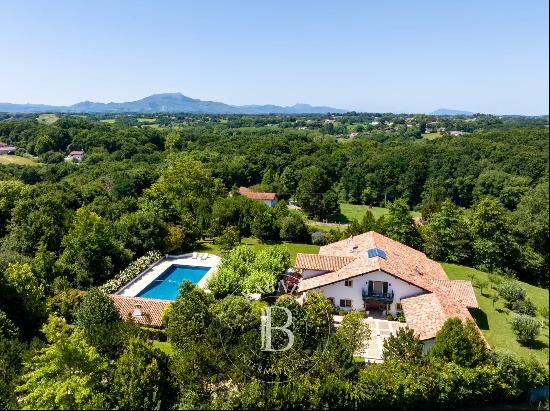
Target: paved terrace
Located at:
point(380, 330)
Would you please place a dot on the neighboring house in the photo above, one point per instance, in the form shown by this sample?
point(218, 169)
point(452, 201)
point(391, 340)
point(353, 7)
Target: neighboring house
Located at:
point(457, 133)
point(75, 155)
point(6, 149)
point(354, 134)
point(373, 273)
point(269, 198)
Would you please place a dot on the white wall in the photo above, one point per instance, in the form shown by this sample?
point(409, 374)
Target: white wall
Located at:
point(338, 291)
point(311, 273)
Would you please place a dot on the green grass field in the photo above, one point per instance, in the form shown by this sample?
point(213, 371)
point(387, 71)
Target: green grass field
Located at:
point(146, 120)
point(349, 212)
point(163, 346)
point(17, 160)
point(431, 136)
point(494, 321)
point(47, 118)
point(108, 121)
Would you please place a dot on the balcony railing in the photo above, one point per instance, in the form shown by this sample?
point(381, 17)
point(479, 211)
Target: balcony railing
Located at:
point(387, 297)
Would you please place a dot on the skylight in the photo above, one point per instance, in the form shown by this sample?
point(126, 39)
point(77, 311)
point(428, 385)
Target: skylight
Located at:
point(376, 252)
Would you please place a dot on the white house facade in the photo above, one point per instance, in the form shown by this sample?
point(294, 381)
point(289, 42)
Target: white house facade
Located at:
point(378, 275)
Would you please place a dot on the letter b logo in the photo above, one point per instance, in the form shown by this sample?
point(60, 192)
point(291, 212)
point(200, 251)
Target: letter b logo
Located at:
point(266, 328)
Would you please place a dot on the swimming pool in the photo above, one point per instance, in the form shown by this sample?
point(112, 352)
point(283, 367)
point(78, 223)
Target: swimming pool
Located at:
point(166, 286)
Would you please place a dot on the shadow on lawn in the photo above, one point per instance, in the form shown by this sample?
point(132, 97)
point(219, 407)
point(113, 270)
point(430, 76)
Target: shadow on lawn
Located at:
point(536, 345)
point(480, 317)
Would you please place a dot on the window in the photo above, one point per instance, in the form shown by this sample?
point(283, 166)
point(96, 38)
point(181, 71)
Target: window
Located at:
point(398, 307)
point(345, 303)
point(331, 299)
point(348, 283)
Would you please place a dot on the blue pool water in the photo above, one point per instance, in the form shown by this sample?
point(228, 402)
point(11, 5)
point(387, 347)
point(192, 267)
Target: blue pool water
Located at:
point(166, 286)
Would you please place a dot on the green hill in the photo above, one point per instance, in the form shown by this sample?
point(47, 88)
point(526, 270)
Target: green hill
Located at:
point(494, 320)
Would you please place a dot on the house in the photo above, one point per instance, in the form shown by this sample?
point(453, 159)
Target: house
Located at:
point(7, 149)
point(354, 134)
point(269, 198)
point(457, 133)
point(75, 155)
point(378, 275)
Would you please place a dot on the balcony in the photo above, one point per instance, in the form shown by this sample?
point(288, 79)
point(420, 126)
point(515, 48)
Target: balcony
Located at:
point(383, 297)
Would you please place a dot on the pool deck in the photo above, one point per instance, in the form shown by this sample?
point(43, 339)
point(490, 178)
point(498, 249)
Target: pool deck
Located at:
point(142, 280)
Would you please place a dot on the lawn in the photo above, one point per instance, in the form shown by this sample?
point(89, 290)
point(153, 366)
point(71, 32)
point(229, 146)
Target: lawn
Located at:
point(163, 346)
point(108, 121)
point(431, 136)
point(494, 320)
point(349, 212)
point(47, 118)
point(293, 248)
point(18, 160)
point(146, 120)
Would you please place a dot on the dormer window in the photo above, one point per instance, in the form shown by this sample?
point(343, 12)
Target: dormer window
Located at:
point(137, 312)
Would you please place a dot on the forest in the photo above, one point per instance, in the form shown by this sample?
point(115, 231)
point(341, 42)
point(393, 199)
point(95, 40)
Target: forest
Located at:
point(169, 183)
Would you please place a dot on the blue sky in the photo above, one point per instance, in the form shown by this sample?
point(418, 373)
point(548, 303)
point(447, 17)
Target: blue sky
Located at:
point(488, 56)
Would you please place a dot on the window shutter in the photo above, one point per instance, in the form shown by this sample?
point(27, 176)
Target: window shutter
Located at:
point(385, 287)
point(370, 287)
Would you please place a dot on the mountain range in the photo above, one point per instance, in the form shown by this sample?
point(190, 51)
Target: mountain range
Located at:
point(168, 103)
point(449, 112)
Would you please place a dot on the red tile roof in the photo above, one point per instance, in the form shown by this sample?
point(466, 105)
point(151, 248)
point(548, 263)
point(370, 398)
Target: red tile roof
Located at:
point(245, 191)
point(401, 261)
point(321, 262)
point(151, 309)
point(76, 153)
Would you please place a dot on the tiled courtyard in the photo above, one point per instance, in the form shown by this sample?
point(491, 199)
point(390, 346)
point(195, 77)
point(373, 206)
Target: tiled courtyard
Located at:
point(380, 330)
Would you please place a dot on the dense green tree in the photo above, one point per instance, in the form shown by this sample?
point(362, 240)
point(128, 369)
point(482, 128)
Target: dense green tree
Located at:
point(141, 231)
point(67, 374)
point(99, 320)
point(91, 253)
point(141, 379)
point(355, 330)
point(189, 317)
point(399, 225)
point(402, 345)
point(447, 235)
point(494, 245)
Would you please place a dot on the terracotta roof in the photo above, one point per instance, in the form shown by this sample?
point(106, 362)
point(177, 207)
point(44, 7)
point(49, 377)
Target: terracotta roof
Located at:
point(426, 313)
point(460, 290)
point(151, 309)
point(76, 153)
point(321, 262)
point(401, 261)
point(245, 191)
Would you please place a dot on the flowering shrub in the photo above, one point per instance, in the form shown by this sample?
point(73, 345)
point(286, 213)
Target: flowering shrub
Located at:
point(130, 272)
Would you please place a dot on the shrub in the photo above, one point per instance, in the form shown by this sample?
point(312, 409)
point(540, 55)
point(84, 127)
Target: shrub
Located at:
point(459, 343)
point(526, 328)
point(229, 239)
point(130, 272)
point(389, 317)
point(354, 330)
point(400, 317)
point(293, 228)
point(523, 307)
point(510, 290)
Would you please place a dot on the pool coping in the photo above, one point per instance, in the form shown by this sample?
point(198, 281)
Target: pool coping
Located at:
point(136, 285)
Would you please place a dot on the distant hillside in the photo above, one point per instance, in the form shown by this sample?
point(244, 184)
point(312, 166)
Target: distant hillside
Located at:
point(449, 112)
point(168, 103)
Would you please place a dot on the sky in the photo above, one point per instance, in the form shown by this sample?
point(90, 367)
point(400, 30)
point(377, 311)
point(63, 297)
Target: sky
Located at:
point(395, 56)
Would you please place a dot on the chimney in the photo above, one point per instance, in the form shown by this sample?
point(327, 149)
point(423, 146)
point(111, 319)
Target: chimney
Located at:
point(351, 246)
